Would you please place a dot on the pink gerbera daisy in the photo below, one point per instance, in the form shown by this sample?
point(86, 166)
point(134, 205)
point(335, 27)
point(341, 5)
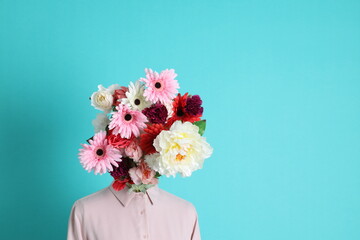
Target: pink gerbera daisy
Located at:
point(126, 121)
point(160, 87)
point(99, 155)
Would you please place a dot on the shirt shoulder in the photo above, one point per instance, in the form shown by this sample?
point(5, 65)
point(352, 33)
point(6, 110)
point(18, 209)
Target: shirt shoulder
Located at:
point(94, 199)
point(175, 202)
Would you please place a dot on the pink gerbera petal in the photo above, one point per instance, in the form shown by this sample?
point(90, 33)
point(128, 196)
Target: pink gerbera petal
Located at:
point(160, 87)
point(127, 122)
point(99, 155)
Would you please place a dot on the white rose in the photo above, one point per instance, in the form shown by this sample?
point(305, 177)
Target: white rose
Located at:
point(103, 98)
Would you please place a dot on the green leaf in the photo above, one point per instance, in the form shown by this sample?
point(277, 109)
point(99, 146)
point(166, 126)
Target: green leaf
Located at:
point(140, 188)
point(90, 139)
point(202, 125)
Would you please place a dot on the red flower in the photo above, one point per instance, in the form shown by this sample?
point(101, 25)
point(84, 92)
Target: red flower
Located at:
point(120, 184)
point(119, 94)
point(117, 141)
point(147, 139)
point(179, 111)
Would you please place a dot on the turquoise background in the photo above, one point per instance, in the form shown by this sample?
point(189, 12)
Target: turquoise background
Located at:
point(280, 81)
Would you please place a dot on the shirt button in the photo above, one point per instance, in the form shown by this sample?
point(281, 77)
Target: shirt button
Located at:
point(145, 236)
point(142, 212)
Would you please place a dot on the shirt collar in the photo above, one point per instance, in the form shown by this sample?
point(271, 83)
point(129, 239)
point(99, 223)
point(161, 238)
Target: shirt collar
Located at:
point(125, 196)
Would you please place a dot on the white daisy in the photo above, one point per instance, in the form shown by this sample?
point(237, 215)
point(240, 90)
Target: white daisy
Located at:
point(135, 97)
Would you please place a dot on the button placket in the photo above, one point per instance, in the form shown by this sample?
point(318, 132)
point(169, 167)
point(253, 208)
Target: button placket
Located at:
point(144, 214)
point(141, 208)
point(138, 205)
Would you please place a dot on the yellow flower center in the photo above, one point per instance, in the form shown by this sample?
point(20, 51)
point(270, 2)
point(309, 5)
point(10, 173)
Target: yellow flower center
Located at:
point(179, 157)
point(101, 98)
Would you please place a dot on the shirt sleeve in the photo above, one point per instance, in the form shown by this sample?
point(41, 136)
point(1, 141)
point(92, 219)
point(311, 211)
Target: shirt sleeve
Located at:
point(196, 229)
point(75, 224)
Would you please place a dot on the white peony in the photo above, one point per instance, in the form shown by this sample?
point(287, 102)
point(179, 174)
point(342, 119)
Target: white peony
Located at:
point(135, 97)
point(100, 122)
point(103, 98)
point(181, 149)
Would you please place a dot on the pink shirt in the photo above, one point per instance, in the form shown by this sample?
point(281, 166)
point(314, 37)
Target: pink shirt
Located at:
point(120, 215)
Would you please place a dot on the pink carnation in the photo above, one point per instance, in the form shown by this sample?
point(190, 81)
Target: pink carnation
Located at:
point(133, 151)
point(143, 174)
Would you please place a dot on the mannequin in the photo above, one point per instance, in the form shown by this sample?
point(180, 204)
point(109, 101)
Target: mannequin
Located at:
point(123, 215)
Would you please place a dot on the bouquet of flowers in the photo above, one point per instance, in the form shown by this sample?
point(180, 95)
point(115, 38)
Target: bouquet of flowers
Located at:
point(146, 130)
